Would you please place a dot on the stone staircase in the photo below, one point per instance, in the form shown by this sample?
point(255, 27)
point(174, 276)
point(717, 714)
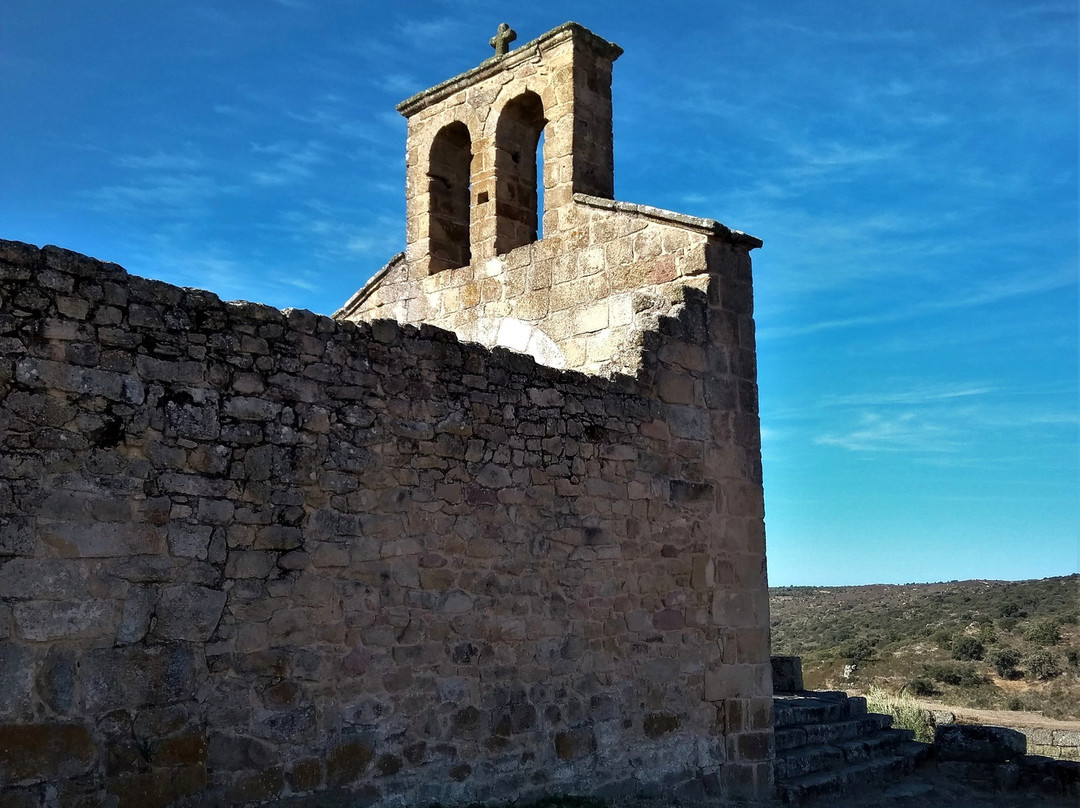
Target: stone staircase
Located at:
point(827, 743)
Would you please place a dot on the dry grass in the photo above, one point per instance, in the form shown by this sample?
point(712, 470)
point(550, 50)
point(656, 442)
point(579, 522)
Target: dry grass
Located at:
point(906, 712)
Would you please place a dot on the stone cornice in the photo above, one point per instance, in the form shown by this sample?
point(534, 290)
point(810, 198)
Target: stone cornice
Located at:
point(497, 64)
point(364, 292)
point(709, 227)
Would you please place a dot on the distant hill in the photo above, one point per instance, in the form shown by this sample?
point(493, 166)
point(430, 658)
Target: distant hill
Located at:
point(989, 644)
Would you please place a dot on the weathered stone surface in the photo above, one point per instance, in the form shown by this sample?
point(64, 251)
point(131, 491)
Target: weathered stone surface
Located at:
point(188, 612)
point(135, 618)
point(657, 724)
point(157, 788)
point(230, 752)
point(55, 683)
point(255, 786)
point(16, 536)
point(574, 744)
point(134, 676)
point(16, 679)
point(787, 674)
point(43, 578)
point(66, 619)
point(978, 744)
point(347, 762)
point(49, 752)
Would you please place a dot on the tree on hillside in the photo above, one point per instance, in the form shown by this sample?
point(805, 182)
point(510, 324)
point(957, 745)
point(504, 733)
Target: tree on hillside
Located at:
point(967, 648)
point(1045, 632)
point(1004, 661)
point(1042, 665)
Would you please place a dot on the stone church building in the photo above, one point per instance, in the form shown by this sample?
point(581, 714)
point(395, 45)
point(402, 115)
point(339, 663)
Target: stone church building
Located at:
point(492, 532)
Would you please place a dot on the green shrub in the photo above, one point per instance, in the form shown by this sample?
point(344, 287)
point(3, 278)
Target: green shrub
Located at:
point(942, 637)
point(1004, 661)
point(1042, 665)
point(1007, 623)
point(950, 673)
point(967, 648)
point(1009, 608)
point(857, 650)
point(1014, 703)
point(987, 633)
point(1072, 656)
point(921, 687)
point(1045, 632)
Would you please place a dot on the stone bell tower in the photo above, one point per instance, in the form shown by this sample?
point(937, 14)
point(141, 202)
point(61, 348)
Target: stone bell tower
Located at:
point(512, 236)
point(472, 183)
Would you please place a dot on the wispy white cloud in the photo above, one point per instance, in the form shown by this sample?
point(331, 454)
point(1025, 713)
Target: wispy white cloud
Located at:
point(170, 194)
point(162, 161)
point(905, 432)
point(920, 394)
point(985, 293)
point(291, 162)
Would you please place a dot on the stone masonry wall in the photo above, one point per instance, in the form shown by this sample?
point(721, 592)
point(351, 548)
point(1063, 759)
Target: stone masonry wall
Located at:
point(583, 298)
point(248, 554)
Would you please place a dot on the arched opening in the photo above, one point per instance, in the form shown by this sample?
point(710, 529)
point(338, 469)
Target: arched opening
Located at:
point(517, 174)
point(448, 197)
point(540, 185)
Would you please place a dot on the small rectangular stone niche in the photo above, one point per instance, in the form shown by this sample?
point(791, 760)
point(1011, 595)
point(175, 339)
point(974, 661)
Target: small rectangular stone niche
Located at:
point(481, 197)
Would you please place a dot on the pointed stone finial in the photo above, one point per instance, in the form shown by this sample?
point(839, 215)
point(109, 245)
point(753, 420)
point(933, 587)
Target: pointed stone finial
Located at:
point(502, 39)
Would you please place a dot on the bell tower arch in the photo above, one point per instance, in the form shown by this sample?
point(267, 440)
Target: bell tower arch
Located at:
point(558, 85)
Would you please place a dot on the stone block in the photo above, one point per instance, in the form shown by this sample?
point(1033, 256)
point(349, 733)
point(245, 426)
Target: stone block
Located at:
point(574, 744)
point(657, 725)
point(43, 620)
point(102, 539)
point(44, 752)
point(590, 318)
point(254, 563)
point(136, 676)
point(346, 762)
point(293, 725)
point(729, 682)
point(16, 536)
point(16, 679)
point(43, 578)
point(978, 744)
point(55, 682)
point(188, 749)
point(158, 788)
point(787, 674)
point(188, 540)
point(254, 787)
point(188, 612)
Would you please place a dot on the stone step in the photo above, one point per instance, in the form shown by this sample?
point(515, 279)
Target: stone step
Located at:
point(848, 779)
point(851, 777)
point(808, 758)
point(862, 749)
point(864, 726)
point(818, 708)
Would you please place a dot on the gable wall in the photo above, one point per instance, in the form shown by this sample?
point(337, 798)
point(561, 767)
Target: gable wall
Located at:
point(591, 290)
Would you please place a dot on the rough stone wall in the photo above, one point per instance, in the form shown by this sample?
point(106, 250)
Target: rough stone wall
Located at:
point(248, 554)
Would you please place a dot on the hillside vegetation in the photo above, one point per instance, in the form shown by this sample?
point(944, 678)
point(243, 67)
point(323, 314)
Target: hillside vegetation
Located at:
point(984, 644)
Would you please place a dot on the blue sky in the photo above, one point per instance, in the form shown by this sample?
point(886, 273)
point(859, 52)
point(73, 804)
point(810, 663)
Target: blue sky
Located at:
point(911, 166)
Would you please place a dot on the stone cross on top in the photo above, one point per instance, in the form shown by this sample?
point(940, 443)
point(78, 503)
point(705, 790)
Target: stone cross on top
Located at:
point(502, 39)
